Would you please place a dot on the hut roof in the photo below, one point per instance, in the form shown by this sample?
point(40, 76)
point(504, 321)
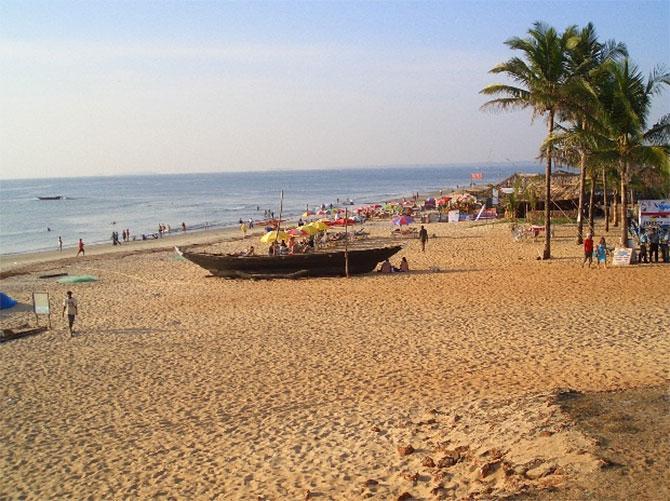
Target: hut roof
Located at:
point(564, 185)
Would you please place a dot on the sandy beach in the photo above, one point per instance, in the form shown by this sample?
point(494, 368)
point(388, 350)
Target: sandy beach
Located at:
point(443, 383)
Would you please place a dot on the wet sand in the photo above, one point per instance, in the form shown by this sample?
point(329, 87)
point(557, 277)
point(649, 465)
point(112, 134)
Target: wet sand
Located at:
point(186, 386)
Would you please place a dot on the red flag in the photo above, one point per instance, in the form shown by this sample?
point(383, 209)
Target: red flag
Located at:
point(476, 175)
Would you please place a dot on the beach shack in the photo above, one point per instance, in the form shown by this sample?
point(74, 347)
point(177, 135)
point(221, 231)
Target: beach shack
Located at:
point(522, 193)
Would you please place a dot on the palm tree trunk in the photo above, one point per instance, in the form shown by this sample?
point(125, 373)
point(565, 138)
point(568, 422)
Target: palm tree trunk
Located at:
point(547, 194)
point(582, 189)
point(592, 195)
point(615, 210)
point(606, 204)
point(623, 166)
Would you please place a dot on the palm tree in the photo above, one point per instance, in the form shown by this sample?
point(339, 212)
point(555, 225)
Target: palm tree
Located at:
point(586, 60)
point(540, 78)
point(626, 102)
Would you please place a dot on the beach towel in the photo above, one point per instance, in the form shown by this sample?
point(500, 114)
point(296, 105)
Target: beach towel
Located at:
point(6, 301)
point(77, 279)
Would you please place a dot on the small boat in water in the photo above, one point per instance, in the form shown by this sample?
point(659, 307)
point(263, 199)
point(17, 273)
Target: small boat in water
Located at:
point(55, 197)
point(315, 264)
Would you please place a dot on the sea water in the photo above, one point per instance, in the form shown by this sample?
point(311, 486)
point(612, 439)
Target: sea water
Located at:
point(92, 208)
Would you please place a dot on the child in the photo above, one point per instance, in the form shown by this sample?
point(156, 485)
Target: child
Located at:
point(601, 252)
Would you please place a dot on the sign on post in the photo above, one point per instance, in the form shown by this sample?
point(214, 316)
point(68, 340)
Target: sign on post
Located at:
point(41, 305)
point(622, 256)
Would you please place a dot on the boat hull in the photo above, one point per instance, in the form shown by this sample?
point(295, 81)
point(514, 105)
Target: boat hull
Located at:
point(319, 264)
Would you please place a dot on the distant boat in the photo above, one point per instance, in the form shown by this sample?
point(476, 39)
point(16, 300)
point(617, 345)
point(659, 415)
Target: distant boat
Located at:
point(56, 197)
point(315, 264)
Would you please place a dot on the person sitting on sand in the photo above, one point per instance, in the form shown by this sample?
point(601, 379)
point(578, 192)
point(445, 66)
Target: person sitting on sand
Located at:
point(283, 248)
point(386, 267)
point(404, 265)
point(249, 252)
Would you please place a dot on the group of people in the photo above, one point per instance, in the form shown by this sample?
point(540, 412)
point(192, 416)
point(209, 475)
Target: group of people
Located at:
point(387, 267)
point(651, 241)
point(600, 251)
point(164, 228)
point(293, 247)
point(125, 237)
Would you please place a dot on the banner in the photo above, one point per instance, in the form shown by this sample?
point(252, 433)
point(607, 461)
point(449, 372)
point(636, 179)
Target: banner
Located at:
point(654, 212)
point(476, 176)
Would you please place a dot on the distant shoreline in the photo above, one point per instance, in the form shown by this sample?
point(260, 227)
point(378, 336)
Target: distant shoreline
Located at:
point(218, 213)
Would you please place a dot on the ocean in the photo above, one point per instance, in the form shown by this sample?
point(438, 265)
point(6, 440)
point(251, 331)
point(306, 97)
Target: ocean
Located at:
point(92, 208)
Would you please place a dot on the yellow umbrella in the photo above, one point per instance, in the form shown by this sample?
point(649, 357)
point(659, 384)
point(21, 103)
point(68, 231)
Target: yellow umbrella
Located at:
point(310, 229)
point(272, 236)
point(320, 225)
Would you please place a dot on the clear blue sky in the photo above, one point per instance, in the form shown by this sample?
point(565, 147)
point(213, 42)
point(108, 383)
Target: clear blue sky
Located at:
point(90, 88)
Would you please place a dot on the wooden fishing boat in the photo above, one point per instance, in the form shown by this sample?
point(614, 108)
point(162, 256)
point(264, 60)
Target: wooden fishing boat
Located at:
point(316, 264)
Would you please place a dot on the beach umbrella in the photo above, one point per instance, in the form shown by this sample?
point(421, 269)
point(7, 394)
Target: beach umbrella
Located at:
point(309, 229)
point(320, 225)
point(342, 221)
point(400, 220)
point(307, 213)
point(274, 235)
point(297, 232)
point(322, 212)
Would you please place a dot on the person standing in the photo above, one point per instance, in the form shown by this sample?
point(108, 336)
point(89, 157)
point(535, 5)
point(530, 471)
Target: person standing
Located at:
point(588, 250)
point(644, 240)
point(80, 248)
point(601, 253)
point(70, 307)
point(243, 228)
point(60, 244)
point(653, 245)
point(423, 238)
point(665, 243)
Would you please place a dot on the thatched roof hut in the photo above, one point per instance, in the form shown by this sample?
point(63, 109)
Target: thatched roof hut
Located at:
point(529, 190)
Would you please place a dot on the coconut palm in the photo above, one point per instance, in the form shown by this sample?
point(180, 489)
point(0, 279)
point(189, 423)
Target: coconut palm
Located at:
point(540, 79)
point(626, 101)
point(586, 61)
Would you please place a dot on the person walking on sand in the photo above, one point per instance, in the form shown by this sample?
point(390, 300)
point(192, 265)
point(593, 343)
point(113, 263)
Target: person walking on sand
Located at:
point(70, 307)
point(601, 253)
point(243, 228)
point(60, 244)
point(588, 250)
point(423, 237)
point(80, 248)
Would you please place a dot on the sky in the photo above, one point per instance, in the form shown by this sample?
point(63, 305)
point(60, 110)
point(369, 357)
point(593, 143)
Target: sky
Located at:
point(136, 87)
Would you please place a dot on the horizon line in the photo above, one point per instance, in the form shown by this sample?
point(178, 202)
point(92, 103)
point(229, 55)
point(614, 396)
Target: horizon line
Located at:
point(482, 165)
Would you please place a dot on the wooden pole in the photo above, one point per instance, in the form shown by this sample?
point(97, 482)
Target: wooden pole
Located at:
point(346, 242)
point(281, 208)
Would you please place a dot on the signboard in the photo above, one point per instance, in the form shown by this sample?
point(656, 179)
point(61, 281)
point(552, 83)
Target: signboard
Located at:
point(622, 256)
point(453, 216)
point(654, 212)
point(507, 191)
point(494, 196)
point(41, 305)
